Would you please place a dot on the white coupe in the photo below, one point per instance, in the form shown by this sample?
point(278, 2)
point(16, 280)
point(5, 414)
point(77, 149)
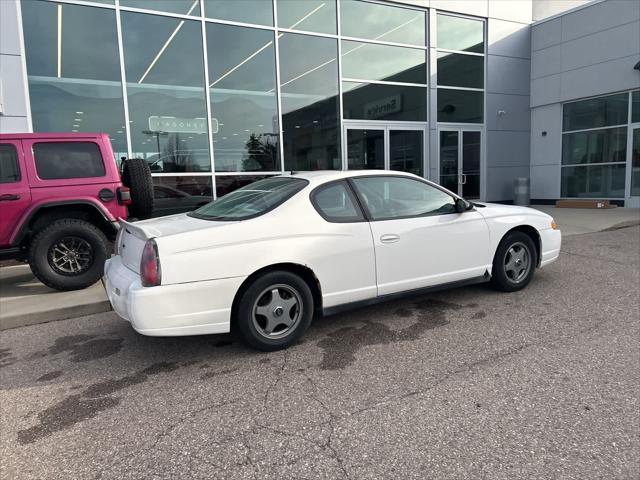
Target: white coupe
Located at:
point(264, 259)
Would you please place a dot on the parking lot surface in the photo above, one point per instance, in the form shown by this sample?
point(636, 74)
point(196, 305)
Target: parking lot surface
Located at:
point(466, 383)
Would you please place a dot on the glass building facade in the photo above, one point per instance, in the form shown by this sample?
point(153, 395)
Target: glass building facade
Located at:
point(215, 94)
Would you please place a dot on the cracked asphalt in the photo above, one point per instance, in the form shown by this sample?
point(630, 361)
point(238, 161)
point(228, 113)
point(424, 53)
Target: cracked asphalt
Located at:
point(466, 383)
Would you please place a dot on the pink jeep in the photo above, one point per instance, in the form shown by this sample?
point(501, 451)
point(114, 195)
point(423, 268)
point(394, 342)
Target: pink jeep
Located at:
point(61, 195)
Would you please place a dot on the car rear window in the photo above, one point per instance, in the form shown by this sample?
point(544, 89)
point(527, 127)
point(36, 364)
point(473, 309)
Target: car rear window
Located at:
point(9, 169)
point(251, 200)
point(60, 160)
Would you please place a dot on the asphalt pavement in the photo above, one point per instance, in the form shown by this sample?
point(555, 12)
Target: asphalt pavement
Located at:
point(466, 383)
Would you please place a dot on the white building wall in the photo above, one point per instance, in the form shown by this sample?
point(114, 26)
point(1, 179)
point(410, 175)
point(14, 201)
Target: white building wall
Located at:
point(587, 52)
point(13, 98)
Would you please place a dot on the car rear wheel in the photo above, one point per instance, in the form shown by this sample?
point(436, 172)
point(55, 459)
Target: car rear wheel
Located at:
point(514, 263)
point(274, 311)
point(69, 254)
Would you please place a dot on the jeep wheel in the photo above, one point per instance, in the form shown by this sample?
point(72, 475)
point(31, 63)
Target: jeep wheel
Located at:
point(69, 254)
point(136, 175)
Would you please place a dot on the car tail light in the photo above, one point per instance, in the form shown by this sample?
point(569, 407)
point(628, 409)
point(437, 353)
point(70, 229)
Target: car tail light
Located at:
point(124, 196)
point(150, 265)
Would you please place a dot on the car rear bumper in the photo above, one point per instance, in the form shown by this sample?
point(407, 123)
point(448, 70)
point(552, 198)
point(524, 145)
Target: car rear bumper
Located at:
point(195, 308)
point(551, 243)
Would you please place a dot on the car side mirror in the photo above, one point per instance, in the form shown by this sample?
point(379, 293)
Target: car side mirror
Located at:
point(461, 205)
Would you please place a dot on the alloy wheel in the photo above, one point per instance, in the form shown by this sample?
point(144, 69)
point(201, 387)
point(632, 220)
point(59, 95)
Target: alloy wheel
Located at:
point(277, 311)
point(70, 255)
point(517, 262)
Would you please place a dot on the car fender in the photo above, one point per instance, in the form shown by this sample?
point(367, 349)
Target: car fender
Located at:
point(37, 207)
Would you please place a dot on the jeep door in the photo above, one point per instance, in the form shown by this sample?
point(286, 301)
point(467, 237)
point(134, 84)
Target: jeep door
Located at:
point(15, 196)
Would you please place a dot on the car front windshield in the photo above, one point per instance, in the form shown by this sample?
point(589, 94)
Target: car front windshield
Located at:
point(251, 200)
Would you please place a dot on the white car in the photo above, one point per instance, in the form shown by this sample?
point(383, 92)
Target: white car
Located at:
point(264, 259)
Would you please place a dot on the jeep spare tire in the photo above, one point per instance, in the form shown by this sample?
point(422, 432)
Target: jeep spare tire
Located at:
point(136, 175)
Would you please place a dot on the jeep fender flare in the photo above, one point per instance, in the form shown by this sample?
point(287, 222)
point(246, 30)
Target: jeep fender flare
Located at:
point(21, 232)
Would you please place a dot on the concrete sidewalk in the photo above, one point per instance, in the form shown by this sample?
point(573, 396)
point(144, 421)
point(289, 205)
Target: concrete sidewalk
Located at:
point(574, 221)
point(26, 301)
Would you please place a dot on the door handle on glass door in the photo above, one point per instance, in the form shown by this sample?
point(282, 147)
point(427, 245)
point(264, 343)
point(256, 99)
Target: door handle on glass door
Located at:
point(389, 238)
point(462, 179)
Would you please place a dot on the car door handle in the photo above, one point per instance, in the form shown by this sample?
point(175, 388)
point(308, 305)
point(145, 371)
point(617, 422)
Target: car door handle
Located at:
point(9, 197)
point(389, 238)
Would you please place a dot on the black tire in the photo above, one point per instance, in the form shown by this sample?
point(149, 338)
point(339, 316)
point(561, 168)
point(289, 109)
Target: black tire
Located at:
point(249, 326)
point(44, 246)
point(136, 175)
point(503, 276)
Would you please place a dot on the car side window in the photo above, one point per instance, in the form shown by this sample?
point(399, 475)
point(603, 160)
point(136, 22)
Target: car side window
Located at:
point(335, 203)
point(9, 166)
point(389, 197)
point(60, 160)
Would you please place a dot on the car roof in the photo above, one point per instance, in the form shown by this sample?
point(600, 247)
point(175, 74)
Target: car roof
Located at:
point(318, 177)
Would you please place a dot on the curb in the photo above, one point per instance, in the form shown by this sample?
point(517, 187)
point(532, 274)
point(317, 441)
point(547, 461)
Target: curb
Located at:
point(34, 318)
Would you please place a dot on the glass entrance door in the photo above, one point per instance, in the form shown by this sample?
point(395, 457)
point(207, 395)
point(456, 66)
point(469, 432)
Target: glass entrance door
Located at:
point(635, 162)
point(385, 147)
point(460, 153)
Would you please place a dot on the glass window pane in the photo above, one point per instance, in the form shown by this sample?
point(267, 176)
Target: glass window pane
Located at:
point(598, 146)
point(596, 112)
point(183, 7)
point(309, 86)
point(74, 70)
point(173, 195)
point(464, 34)
point(243, 98)
point(635, 163)
point(459, 70)
point(309, 15)
point(370, 101)
point(593, 181)
point(383, 22)
point(635, 106)
point(68, 160)
point(228, 183)
point(253, 199)
point(165, 86)
point(259, 12)
point(336, 204)
point(449, 168)
point(9, 167)
point(460, 106)
point(369, 61)
point(406, 150)
point(365, 149)
point(395, 197)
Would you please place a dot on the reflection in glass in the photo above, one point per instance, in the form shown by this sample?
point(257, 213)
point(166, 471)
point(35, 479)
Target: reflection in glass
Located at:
point(74, 70)
point(243, 98)
point(173, 195)
point(259, 12)
point(165, 87)
point(459, 70)
point(449, 160)
point(383, 22)
point(370, 101)
point(309, 15)
point(635, 106)
point(369, 61)
point(635, 163)
point(365, 149)
point(229, 183)
point(594, 181)
point(309, 86)
point(464, 34)
point(460, 106)
point(406, 150)
point(598, 146)
point(183, 7)
point(596, 112)
point(471, 164)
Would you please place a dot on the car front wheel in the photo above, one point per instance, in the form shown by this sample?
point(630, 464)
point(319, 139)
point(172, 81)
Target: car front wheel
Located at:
point(274, 311)
point(514, 263)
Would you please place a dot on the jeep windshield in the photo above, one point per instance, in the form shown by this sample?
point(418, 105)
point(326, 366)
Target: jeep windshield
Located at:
point(251, 200)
